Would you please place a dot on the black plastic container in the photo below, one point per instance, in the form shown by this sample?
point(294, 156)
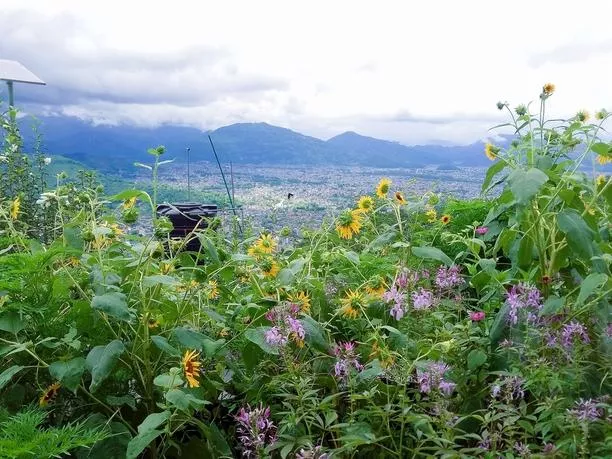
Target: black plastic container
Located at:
point(186, 217)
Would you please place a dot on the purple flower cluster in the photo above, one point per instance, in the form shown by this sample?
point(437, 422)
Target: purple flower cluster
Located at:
point(314, 453)
point(346, 359)
point(286, 326)
point(431, 376)
point(572, 331)
point(508, 388)
point(447, 278)
point(395, 296)
point(422, 299)
point(523, 297)
point(255, 430)
point(586, 410)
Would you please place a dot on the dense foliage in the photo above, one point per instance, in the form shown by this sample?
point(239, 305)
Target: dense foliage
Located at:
point(405, 327)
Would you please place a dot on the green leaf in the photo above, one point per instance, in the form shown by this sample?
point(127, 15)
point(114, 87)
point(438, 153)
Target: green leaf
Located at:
point(476, 358)
point(138, 444)
point(591, 283)
point(8, 374)
point(120, 401)
point(526, 184)
point(384, 240)
point(601, 148)
point(371, 371)
point(145, 166)
point(499, 324)
point(159, 279)
point(101, 360)
point(162, 344)
point(195, 340)
point(168, 380)
point(432, 253)
point(578, 234)
point(257, 336)
point(216, 441)
point(552, 305)
point(525, 252)
point(492, 172)
point(352, 257)
point(113, 304)
point(153, 421)
point(183, 400)
point(127, 194)
point(210, 248)
point(285, 276)
point(11, 322)
point(68, 372)
point(315, 334)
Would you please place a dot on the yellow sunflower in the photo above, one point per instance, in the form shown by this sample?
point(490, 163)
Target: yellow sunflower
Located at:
point(265, 244)
point(351, 304)
point(152, 323)
point(349, 224)
point(432, 215)
point(583, 116)
point(254, 251)
point(269, 268)
point(548, 89)
point(383, 187)
point(601, 114)
point(15, 206)
point(383, 354)
point(601, 179)
point(49, 394)
point(129, 203)
point(365, 204)
point(302, 299)
point(399, 198)
point(191, 367)
point(445, 219)
point(212, 290)
point(603, 160)
point(166, 268)
point(376, 286)
point(491, 151)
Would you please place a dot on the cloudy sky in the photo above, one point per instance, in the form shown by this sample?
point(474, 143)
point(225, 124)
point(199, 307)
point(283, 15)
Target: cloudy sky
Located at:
point(415, 72)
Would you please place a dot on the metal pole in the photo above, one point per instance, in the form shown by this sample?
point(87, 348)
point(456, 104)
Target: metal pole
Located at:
point(232, 179)
point(188, 176)
point(11, 94)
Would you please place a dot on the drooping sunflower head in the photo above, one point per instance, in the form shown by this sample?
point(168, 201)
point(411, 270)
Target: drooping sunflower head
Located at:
point(349, 223)
point(191, 367)
point(603, 160)
point(376, 286)
point(212, 290)
point(491, 151)
point(15, 206)
point(583, 116)
point(399, 198)
point(351, 304)
point(265, 244)
point(432, 215)
point(152, 323)
point(129, 203)
point(166, 267)
point(365, 204)
point(269, 267)
point(302, 299)
point(601, 114)
point(49, 394)
point(445, 219)
point(601, 179)
point(383, 187)
point(548, 89)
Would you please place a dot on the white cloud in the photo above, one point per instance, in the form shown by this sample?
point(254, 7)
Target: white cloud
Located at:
point(319, 67)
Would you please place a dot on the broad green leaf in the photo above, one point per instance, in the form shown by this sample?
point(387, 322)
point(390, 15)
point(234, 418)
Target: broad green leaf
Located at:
point(127, 194)
point(210, 248)
point(492, 172)
point(153, 421)
point(68, 372)
point(384, 240)
point(159, 279)
point(499, 324)
point(184, 400)
point(525, 252)
point(285, 276)
point(352, 257)
point(139, 443)
point(297, 265)
point(113, 304)
point(7, 375)
point(127, 400)
point(552, 305)
point(257, 336)
point(162, 344)
point(589, 285)
point(432, 253)
point(371, 371)
point(315, 334)
point(168, 380)
point(192, 339)
point(476, 358)
point(600, 148)
point(216, 441)
point(101, 360)
point(145, 166)
point(578, 234)
point(11, 322)
point(526, 184)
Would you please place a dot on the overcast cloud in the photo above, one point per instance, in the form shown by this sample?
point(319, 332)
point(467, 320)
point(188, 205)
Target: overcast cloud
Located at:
point(415, 72)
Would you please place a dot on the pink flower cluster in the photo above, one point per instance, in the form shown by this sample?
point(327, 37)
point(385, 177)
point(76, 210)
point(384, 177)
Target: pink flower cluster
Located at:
point(286, 326)
point(431, 376)
point(255, 430)
point(346, 360)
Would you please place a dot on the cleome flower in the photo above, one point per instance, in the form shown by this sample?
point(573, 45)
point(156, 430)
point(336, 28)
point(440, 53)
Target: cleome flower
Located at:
point(346, 360)
point(382, 189)
point(191, 367)
point(255, 430)
point(349, 224)
point(49, 394)
point(286, 326)
point(430, 376)
point(365, 204)
point(351, 304)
